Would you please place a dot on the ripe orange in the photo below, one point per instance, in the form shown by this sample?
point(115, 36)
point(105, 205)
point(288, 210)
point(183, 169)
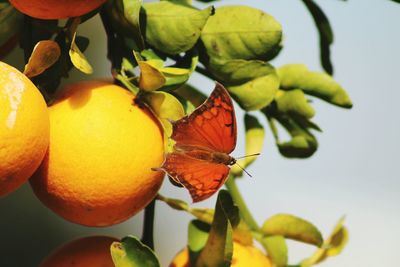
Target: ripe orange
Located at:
point(91, 251)
point(97, 171)
point(56, 9)
point(24, 128)
point(243, 256)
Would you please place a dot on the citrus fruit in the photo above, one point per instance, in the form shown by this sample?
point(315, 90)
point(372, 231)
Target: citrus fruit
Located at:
point(24, 128)
point(97, 171)
point(56, 9)
point(91, 251)
point(243, 256)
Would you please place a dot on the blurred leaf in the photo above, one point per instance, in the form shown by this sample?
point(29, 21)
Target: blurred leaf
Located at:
point(252, 83)
point(242, 234)
point(331, 247)
point(166, 107)
point(11, 22)
point(219, 247)
point(241, 32)
point(321, 85)
point(173, 28)
point(78, 59)
point(150, 77)
point(254, 143)
point(44, 55)
point(197, 239)
point(277, 249)
point(130, 252)
point(325, 33)
point(294, 102)
point(397, 1)
point(292, 227)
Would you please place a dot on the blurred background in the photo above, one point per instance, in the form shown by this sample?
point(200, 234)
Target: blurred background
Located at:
point(355, 172)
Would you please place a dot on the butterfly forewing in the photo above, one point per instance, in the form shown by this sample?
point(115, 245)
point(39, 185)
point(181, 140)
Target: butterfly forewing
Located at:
point(201, 178)
point(211, 126)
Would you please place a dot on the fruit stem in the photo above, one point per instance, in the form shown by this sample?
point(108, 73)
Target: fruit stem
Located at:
point(238, 199)
point(148, 225)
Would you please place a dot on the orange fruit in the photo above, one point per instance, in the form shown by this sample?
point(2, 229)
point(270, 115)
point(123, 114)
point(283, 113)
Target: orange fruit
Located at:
point(91, 251)
point(24, 128)
point(56, 9)
point(243, 256)
point(97, 171)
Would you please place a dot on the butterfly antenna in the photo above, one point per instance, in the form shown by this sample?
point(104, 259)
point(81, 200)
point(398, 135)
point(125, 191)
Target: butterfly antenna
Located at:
point(243, 169)
point(251, 155)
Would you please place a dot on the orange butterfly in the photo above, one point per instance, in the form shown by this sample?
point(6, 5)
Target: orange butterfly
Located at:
point(204, 139)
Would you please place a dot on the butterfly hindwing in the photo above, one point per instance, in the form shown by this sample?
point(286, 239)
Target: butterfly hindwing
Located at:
point(211, 126)
point(201, 178)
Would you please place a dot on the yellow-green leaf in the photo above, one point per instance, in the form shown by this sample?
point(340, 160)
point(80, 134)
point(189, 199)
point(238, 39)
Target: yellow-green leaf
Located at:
point(332, 246)
point(276, 248)
point(78, 59)
point(294, 102)
point(150, 77)
point(254, 143)
point(130, 252)
point(321, 85)
point(292, 227)
point(44, 55)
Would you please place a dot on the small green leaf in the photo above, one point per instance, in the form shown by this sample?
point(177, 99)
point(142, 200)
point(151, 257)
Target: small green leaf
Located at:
point(241, 32)
point(254, 143)
point(325, 33)
point(78, 59)
point(150, 77)
point(294, 102)
point(253, 83)
point(219, 247)
point(331, 247)
point(174, 28)
point(321, 85)
point(192, 94)
point(292, 227)
point(130, 252)
point(44, 55)
point(277, 249)
point(167, 108)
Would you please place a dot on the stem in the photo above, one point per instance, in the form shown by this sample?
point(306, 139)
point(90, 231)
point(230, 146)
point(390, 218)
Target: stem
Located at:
point(148, 225)
point(238, 199)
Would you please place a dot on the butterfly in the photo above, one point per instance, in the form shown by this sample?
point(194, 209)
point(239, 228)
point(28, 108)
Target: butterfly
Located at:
point(203, 141)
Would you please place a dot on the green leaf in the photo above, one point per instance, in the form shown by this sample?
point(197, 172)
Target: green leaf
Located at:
point(252, 83)
point(277, 249)
point(166, 107)
point(11, 22)
point(325, 33)
point(241, 32)
point(254, 143)
point(191, 94)
point(219, 247)
point(321, 85)
point(292, 227)
point(294, 102)
point(331, 247)
point(173, 28)
point(44, 55)
point(130, 252)
point(78, 59)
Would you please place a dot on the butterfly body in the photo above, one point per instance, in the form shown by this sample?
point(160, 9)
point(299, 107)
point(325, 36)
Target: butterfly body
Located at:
point(203, 141)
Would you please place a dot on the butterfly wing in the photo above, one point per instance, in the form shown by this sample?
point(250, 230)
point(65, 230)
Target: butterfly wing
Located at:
point(211, 126)
point(202, 178)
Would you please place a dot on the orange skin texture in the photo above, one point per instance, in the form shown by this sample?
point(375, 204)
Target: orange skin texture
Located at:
point(56, 9)
point(91, 251)
point(97, 171)
point(24, 128)
point(243, 256)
